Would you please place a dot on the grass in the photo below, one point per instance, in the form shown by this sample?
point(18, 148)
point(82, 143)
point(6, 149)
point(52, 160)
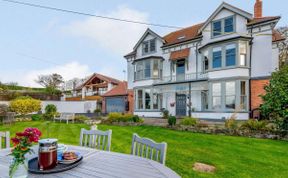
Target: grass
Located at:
point(233, 156)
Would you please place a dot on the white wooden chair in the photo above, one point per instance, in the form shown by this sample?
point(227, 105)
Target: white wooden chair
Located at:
point(147, 148)
point(6, 136)
point(96, 139)
point(65, 117)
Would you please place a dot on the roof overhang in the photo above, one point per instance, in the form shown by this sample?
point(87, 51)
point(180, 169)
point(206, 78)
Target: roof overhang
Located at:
point(149, 57)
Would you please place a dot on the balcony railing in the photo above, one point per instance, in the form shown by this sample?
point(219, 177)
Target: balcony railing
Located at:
point(182, 78)
point(94, 93)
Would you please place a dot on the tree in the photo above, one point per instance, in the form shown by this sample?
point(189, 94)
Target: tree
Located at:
point(283, 47)
point(25, 105)
point(275, 106)
point(50, 82)
point(50, 111)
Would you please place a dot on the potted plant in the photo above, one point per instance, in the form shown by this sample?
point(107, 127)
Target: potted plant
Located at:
point(22, 142)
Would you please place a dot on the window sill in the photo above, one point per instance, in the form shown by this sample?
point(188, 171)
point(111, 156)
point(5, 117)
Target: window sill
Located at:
point(146, 79)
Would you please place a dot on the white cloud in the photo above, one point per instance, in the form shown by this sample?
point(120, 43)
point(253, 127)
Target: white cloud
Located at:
point(118, 37)
point(67, 71)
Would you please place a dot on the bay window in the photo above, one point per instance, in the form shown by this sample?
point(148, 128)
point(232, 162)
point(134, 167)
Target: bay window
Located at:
point(216, 96)
point(230, 95)
point(243, 54)
point(231, 55)
point(148, 99)
point(243, 95)
point(148, 69)
point(217, 57)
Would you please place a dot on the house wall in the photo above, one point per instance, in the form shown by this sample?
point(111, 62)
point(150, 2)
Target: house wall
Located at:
point(219, 115)
point(257, 89)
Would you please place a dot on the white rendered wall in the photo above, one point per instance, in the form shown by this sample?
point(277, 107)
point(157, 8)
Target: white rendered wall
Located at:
point(236, 72)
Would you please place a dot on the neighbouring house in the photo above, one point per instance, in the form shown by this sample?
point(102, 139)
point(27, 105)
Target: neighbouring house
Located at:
point(119, 99)
point(93, 89)
point(209, 70)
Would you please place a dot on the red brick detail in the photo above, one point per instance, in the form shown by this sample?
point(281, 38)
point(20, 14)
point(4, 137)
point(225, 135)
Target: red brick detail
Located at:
point(131, 101)
point(258, 9)
point(257, 89)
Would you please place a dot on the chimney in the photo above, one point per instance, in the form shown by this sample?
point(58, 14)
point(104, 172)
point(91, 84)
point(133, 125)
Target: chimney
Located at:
point(258, 9)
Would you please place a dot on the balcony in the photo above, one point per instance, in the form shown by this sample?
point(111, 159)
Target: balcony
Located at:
point(182, 78)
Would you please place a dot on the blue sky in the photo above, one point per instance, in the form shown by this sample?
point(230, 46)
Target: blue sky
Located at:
point(36, 41)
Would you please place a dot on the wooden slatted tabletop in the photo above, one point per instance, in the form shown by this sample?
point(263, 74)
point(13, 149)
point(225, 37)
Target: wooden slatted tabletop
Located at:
point(101, 164)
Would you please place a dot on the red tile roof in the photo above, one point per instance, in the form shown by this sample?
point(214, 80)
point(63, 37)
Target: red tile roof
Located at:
point(184, 53)
point(119, 90)
point(262, 19)
point(276, 36)
point(182, 35)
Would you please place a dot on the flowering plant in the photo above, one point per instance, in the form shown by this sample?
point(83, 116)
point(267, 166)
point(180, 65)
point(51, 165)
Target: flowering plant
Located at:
point(22, 144)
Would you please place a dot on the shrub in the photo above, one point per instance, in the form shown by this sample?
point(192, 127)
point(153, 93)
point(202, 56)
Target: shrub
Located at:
point(118, 117)
point(231, 123)
point(275, 101)
point(189, 121)
point(3, 109)
point(165, 113)
point(202, 124)
point(171, 120)
point(36, 117)
point(50, 112)
point(97, 111)
point(25, 105)
point(81, 118)
point(254, 125)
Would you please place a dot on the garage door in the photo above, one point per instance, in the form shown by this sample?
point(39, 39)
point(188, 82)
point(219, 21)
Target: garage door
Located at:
point(115, 104)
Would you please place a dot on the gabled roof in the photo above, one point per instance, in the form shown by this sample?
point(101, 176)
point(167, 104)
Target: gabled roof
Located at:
point(276, 36)
point(120, 90)
point(227, 6)
point(148, 31)
point(185, 34)
point(101, 77)
point(256, 21)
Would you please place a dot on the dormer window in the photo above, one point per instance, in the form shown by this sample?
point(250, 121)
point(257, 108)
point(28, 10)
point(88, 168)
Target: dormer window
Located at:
point(223, 26)
point(149, 46)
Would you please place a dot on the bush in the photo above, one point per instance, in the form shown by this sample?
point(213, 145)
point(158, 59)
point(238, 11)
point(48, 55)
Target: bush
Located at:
point(36, 117)
point(3, 109)
point(25, 105)
point(275, 101)
point(171, 120)
point(231, 123)
point(97, 111)
point(165, 114)
point(50, 112)
point(118, 117)
point(189, 121)
point(81, 118)
point(254, 125)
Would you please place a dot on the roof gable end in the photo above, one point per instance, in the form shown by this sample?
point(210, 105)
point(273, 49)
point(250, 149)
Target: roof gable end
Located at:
point(227, 6)
point(147, 32)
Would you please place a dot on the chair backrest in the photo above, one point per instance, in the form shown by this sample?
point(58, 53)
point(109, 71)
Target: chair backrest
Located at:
point(6, 136)
point(147, 148)
point(96, 139)
point(68, 115)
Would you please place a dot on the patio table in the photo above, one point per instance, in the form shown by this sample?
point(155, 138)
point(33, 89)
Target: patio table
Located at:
point(101, 164)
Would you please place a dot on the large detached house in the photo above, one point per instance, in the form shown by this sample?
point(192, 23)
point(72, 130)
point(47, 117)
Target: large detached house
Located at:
point(209, 70)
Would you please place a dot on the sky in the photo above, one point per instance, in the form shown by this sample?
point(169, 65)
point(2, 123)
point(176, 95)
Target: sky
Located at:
point(36, 41)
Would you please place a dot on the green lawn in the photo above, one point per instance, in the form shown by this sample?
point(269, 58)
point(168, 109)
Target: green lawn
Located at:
point(233, 156)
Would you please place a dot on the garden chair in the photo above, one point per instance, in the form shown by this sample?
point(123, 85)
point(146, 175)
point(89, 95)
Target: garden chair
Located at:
point(96, 139)
point(9, 118)
point(65, 117)
point(148, 148)
point(6, 136)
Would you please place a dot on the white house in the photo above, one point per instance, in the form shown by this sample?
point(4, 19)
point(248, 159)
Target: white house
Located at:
point(209, 70)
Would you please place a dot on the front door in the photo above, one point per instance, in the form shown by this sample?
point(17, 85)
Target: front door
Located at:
point(181, 105)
